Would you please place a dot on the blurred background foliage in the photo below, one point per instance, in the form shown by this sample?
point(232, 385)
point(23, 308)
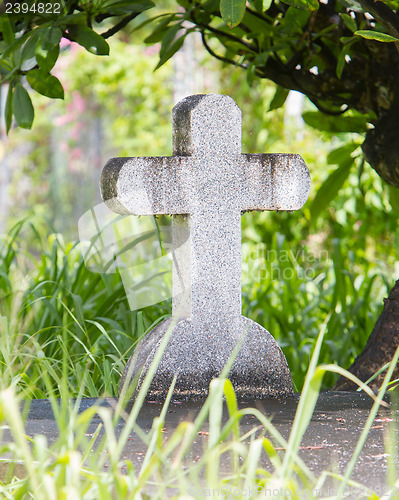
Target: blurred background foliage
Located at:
point(339, 253)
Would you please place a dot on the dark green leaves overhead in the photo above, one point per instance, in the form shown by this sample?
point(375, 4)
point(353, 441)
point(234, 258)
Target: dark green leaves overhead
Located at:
point(89, 39)
point(335, 124)
point(349, 22)
point(22, 107)
point(128, 7)
point(7, 31)
point(376, 35)
point(168, 50)
point(303, 4)
point(232, 11)
point(51, 37)
point(45, 84)
point(279, 98)
point(47, 59)
point(30, 44)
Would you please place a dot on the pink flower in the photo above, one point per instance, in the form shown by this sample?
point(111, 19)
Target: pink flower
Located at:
point(65, 43)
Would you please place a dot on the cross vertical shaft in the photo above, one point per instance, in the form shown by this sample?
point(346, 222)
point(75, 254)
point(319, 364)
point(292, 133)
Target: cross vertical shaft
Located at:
point(216, 246)
point(207, 267)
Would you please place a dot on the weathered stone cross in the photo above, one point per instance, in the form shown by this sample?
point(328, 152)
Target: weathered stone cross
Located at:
point(206, 184)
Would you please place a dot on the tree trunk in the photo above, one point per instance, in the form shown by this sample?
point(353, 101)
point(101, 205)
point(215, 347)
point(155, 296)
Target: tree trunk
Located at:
point(381, 147)
point(380, 347)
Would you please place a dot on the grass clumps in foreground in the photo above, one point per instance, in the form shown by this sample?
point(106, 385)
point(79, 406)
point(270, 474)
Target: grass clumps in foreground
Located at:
point(86, 462)
point(77, 326)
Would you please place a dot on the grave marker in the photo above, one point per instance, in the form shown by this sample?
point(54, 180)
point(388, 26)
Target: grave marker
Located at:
point(206, 185)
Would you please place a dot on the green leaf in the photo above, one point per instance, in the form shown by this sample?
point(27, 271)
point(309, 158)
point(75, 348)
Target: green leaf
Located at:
point(279, 98)
point(232, 11)
point(340, 155)
point(295, 20)
point(10, 49)
point(8, 110)
point(394, 198)
point(257, 5)
point(250, 73)
point(119, 8)
point(261, 59)
point(47, 59)
point(342, 56)
point(51, 38)
point(22, 107)
point(7, 31)
point(45, 84)
point(303, 4)
point(64, 21)
point(330, 188)
point(376, 35)
point(350, 23)
point(172, 49)
point(353, 5)
point(88, 39)
point(29, 48)
point(335, 124)
point(159, 32)
point(261, 5)
point(341, 61)
point(169, 37)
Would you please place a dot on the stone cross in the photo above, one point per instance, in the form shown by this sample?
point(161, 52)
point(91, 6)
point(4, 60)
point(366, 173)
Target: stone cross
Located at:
point(206, 185)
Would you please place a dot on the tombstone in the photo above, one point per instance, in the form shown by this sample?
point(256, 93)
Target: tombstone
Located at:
point(205, 186)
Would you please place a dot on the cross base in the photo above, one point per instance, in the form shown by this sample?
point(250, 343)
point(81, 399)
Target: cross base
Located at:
point(260, 369)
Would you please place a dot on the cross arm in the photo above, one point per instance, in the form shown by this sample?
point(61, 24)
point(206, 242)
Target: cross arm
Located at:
point(274, 182)
point(147, 185)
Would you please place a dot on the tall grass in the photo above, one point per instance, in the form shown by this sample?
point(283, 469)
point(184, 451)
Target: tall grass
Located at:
point(61, 318)
point(76, 326)
point(290, 289)
point(78, 465)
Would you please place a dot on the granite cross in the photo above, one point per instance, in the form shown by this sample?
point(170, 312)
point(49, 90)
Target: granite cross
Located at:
point(206, 185)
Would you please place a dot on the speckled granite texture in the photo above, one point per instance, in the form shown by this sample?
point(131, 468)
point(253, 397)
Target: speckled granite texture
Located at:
point(206, 185)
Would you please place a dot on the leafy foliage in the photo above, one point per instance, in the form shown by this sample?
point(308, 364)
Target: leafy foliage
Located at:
point(232, 11)
point(117, 108)
point(333, 52)
point(30, 44)
point(297, 44)
point(338, 53)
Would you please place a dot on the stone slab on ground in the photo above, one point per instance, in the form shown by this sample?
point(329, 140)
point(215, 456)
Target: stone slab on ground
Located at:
point(328, 444)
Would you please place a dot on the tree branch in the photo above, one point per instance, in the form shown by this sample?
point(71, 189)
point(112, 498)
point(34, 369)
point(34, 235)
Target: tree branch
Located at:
point(330, 111)
point(220, 58)
point(226, 35)
point(124, 22)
